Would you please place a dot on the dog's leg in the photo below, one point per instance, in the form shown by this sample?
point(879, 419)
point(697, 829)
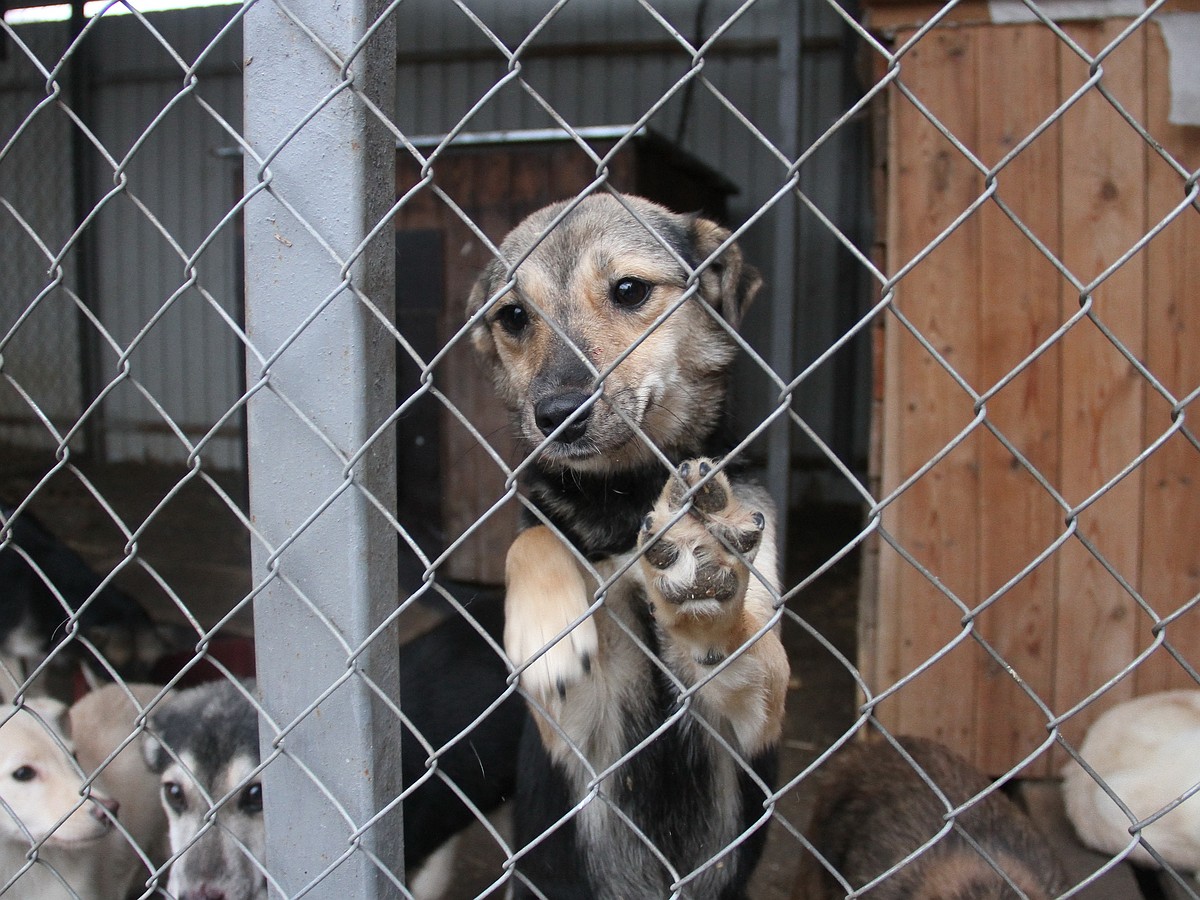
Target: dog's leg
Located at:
point(546, 593)
point(711, 606)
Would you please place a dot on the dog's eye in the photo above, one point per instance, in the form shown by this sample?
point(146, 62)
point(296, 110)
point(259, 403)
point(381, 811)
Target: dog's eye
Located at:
point(513, 318)
point(630, 293)
point(173, 796)
point(24, 773)
point(251, 799)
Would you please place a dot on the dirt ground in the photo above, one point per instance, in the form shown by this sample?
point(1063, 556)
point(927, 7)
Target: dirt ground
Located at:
point(196, 570)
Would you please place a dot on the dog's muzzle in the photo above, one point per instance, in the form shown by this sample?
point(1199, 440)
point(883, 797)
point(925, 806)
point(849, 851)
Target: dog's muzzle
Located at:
point(551, 412)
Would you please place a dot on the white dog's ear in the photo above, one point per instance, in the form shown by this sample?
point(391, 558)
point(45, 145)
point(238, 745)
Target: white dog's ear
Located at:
point(736, 282)
point(54, 712)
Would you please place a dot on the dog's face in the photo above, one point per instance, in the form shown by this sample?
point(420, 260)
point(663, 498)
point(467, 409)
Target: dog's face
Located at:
point(223, 858)
point(41, 786)
point(204, 745)
point(574, 347)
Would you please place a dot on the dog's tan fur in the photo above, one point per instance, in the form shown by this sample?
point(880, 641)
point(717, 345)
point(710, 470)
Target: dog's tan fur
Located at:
point(45, 802)
point(619, 403)
point(671, 385)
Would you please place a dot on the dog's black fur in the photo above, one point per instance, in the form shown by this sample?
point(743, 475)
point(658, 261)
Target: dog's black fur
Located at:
point(602, 514)
point(675, 765)
point(33, 622)
point(448, 677)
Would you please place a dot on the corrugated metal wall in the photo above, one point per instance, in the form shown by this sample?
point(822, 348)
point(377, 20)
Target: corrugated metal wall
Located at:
point(35, 187)
point(597, 62)
point(176, 184)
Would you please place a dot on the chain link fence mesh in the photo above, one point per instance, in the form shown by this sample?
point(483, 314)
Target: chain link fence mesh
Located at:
point(1016, 556)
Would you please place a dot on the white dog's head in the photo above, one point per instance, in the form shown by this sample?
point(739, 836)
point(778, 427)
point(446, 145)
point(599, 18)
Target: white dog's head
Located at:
point(40, 784)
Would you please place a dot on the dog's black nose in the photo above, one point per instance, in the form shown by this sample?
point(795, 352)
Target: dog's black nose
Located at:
point(553, 411)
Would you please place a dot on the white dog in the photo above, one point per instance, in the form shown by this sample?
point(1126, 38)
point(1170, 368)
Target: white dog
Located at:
point(100, 723)
point(1147, 750)
point(43, 806)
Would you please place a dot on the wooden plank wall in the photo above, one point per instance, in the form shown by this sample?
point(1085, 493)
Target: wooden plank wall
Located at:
point(986, 298)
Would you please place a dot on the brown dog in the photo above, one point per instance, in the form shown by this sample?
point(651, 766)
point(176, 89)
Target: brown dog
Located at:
point(640, 598)
point(874, 809)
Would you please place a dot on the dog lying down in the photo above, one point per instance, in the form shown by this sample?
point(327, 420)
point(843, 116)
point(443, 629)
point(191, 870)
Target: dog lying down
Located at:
point(1147, 750)
point(86, 845)
point(641, 595)
point(873, 810)
point(449, 676)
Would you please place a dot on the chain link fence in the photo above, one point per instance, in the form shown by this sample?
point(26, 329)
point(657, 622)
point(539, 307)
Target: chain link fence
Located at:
point(965, 386)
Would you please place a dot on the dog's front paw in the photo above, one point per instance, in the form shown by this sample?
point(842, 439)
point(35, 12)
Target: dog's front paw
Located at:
point(547, 627)
point(699, 566)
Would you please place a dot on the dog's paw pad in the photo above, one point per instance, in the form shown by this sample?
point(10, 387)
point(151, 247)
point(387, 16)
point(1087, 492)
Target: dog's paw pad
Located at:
point(743, 538)
point(662, 554)
point(713, 494)
point(700, 557)
point(711, 581)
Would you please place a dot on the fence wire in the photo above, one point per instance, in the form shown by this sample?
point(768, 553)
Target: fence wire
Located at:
point(253, 522)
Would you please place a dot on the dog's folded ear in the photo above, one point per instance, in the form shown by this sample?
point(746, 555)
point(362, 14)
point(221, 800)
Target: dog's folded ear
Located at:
point(485, 285)
point(51, 711)
point(736, 281)
point(154, 753)
point(480, 336)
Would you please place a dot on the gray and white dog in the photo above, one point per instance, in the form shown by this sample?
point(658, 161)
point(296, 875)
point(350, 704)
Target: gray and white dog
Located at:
point(450, 678)
point(206, 749)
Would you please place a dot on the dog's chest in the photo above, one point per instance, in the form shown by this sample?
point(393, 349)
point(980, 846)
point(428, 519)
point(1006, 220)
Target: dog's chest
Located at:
point(673, 789)
point(600, 514)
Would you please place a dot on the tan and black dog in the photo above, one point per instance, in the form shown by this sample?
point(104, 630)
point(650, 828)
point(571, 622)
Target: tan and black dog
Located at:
point(641, 591)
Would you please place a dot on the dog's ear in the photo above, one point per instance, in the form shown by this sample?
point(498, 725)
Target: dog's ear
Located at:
point(154, 753)
point(481, 335)
point(52, 711)
point(737, 282)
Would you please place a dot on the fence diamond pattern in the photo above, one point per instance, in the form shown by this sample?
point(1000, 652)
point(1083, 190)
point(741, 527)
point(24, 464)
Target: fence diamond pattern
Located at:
point(1075, 308)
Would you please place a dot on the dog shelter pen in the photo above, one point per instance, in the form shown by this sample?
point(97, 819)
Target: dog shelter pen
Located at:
point(320, 440)
point(1105, 574)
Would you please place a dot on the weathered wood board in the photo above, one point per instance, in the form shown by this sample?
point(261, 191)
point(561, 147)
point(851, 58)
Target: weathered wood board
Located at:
point(1031, 559)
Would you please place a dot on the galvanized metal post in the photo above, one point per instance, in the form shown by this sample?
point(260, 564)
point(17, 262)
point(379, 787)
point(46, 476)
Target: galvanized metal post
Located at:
point(324, 373)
